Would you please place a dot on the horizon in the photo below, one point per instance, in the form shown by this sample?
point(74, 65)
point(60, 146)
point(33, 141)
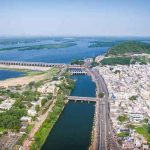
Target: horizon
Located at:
point(69, 18)
point(70, 36)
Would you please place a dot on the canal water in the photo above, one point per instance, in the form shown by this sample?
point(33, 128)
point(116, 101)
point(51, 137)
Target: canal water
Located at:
point(6, 74)
point(73, 128)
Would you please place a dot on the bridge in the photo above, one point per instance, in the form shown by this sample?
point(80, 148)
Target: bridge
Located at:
point(39, 64)
point(84, 99)
point(77, 71)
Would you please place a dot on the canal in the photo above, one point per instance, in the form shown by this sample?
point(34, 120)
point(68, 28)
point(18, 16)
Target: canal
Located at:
point(73, 128)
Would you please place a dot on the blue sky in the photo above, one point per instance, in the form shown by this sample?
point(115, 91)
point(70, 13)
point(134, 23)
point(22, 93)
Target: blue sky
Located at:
point(75, 17)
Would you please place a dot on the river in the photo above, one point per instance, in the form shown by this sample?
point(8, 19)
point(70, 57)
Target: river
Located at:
point(60, 55)
point(6, 74)
point(73, 129)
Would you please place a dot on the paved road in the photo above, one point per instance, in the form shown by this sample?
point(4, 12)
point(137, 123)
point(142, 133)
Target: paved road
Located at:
point(104, 137)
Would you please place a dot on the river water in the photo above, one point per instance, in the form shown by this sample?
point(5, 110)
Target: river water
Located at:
point(73, 129)
point(6, 74)
point(60, 55)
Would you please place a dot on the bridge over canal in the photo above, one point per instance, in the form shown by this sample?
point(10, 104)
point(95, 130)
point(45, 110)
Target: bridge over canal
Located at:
point(84, 99)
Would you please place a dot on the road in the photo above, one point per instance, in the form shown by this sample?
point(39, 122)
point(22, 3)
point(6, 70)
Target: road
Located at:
point(104, 136)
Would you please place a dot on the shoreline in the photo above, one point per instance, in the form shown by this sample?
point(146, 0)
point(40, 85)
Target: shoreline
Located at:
point(23, 68)
point(21, 80)
point(55, 113)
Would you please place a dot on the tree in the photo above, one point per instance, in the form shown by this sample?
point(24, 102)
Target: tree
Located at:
point(123, 118)
point(133, 98)
point(31, 84)
point(101, 95)
point(49, 96)
point(37, 108)
point(43, 101)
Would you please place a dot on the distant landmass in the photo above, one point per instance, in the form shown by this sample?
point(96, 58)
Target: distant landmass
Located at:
point(39, 47)
point(130, 47)
point(126, 53)
point(94, 44)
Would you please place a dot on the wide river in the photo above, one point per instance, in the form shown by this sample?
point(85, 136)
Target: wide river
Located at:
point(73, 129)
point(60, 55)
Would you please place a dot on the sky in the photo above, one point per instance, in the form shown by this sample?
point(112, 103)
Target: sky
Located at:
point(74, 17)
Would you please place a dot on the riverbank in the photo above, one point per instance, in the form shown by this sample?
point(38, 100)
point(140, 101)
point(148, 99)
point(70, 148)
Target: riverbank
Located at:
point(73, 128)
point(24, 68)
point(30, 77)
point(54, 113)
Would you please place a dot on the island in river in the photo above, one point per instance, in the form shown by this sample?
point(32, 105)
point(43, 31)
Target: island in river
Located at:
point(39, 47)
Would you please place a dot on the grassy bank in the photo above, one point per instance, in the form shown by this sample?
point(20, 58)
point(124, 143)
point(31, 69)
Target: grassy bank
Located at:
point(145, 131)
point(116, 60)
point(43, 132)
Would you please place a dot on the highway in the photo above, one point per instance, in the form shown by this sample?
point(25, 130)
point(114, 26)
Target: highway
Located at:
point(104, 136)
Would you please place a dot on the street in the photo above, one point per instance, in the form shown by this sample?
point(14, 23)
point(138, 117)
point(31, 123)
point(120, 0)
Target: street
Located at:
point(104, 138)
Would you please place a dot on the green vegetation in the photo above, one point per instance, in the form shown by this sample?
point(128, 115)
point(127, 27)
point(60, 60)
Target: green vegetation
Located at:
point(120, 53)
point(130, 47)
point(17, 41)
point(43, 101)
point(145, 131)
point(123, 134)
point(116, 60)
point(131, 126)
point(30, 95)
point(2, 131)
point(52, 72)
point(37, 108)
point(101, 95)
point(77, 62)
point(11, 118)
point(125, 60)
point(123, 118)
point(1, 100)
point(39, 47)
point(40, 137)
point(24, 136)
point(133, 98)
point(94, 64)
point(25, 71)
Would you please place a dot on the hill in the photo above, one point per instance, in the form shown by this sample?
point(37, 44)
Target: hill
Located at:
point(130, 47)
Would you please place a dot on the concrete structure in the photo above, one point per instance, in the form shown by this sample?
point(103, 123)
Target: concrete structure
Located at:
point(78, 71)
point(85, 99)
point(40, 64)
point(103, 134)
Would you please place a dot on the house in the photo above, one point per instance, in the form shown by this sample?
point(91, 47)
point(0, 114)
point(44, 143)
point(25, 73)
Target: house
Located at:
point(136, 117)
point(25, 120)
point(145, 147)
point(127, 145)
point(32, 112)
point(7, 104)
